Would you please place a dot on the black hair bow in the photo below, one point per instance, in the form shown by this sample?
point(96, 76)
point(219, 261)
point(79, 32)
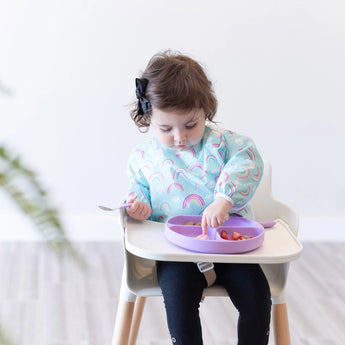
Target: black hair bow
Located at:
point(144, 105)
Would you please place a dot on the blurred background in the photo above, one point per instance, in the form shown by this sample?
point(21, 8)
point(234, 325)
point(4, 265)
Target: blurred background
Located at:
point(67, 71)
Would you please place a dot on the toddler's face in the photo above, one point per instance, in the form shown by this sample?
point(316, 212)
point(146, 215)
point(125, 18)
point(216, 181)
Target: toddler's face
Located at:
point(178, 130)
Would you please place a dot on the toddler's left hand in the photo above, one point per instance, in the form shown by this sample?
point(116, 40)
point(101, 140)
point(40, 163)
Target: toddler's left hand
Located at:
point(215, 214)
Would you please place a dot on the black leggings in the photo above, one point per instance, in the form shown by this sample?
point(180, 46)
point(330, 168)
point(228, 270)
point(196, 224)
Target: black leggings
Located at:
point(182, 286)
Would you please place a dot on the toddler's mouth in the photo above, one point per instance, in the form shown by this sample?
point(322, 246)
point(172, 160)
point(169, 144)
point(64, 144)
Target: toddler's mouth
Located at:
point(182, 147)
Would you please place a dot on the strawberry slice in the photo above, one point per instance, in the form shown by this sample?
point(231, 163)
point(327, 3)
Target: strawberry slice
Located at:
point(235, 236)
point(224, 235)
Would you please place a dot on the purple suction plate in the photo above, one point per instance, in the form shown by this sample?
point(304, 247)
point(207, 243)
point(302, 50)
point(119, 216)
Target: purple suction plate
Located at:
point(185, 235)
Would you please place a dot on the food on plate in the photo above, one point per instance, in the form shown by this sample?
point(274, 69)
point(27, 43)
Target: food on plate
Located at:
point(235, 236)
point(192, 223)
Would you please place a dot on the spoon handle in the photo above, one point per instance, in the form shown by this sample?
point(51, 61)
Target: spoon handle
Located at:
point(105, 208)
point(125, 205)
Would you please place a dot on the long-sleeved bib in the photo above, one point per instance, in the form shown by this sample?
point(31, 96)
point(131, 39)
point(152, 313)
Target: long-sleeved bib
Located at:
point(222, 164)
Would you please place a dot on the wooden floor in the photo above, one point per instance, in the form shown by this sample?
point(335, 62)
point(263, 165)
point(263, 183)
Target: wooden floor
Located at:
point(44, 301)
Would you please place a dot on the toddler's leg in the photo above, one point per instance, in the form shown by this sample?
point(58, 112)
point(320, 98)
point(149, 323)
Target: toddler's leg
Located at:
point(182, 286)
point(248, 289)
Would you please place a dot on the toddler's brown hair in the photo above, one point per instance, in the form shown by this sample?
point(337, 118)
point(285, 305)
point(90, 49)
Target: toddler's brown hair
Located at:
point(172, 81)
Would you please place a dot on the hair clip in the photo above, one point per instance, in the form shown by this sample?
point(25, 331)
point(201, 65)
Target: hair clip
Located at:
point(144, 105)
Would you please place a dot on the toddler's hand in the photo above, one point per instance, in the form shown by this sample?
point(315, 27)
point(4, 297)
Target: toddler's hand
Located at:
point(140, 210)
point(215, 214)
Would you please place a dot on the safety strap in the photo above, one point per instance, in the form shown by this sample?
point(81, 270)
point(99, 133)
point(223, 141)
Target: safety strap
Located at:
point(207, 268)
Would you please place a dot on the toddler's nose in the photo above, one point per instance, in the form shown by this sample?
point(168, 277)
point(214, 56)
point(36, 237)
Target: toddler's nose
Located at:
point(180, 137)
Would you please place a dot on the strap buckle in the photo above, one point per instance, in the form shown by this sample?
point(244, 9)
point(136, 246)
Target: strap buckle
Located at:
point(205, 266)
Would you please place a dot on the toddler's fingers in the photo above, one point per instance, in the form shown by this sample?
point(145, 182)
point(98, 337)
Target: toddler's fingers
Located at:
point(139, 210)
point(215, 222)
point(202, 237)
point(220, 220)
point(131, 198)
point(204, 224)
point(226, 217)
point(142, 210)
point(133, 208)
point(147, 212)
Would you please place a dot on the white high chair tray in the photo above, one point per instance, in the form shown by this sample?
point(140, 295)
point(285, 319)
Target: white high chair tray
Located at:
point(146, 239)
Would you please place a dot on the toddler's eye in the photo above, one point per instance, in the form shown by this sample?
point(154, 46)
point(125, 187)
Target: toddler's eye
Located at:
point(165, 130)
point(190, 126)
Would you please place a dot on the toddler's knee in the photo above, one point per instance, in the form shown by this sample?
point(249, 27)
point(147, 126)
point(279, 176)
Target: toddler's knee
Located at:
point(256, 304)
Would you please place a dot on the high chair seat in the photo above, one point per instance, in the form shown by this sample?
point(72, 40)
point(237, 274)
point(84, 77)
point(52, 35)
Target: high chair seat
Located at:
point(145, 243)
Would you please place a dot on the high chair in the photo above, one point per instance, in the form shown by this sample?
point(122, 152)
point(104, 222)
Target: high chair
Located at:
point(145, 242)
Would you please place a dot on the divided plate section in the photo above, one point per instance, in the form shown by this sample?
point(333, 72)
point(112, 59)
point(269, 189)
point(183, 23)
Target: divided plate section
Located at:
point(184, 235)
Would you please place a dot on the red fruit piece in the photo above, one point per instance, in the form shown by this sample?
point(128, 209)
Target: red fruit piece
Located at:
point(224, 235)
point(235, 236)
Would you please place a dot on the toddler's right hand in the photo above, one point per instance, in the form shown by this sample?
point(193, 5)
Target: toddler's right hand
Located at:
point(140, 210)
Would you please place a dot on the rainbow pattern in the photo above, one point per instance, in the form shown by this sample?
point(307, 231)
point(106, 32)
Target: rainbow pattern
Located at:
point(245, 209)
point(217, 133)
point(157, 176)
point(188, 183)
point(221, 154)
point(175, 186)
point(193, 199)
point(209, 157)
point(168, 162)
point(223, 143)
point(256, 176)
point(165, 207)
point(246, 193)
point(140, 153)
point(178, 172)
point(251, 154)
point(233, 188)
point(203, 179)
point(147, 166)
point(195, 165)
point(160, 218)
point(244, 173)
point(229, 133)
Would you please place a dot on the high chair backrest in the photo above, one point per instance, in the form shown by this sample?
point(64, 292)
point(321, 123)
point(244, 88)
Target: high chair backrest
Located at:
point(267, 207)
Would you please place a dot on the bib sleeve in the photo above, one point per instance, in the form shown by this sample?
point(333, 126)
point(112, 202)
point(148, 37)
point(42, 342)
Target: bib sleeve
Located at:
point(241, 173)
point(138, 183)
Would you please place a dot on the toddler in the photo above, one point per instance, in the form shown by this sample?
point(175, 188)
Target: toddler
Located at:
point(193, 167)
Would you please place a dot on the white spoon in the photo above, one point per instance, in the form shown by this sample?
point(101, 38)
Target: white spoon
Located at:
point(105, 208)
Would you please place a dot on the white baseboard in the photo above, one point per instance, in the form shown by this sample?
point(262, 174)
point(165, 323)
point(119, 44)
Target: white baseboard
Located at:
point(106, 227)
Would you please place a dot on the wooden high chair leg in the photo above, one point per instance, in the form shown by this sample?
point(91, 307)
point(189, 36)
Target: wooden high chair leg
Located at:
point(123, 323)
point(138, 312)
point(281, 324)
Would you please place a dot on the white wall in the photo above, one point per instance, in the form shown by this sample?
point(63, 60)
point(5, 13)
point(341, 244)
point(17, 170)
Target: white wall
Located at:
point(277, 66)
